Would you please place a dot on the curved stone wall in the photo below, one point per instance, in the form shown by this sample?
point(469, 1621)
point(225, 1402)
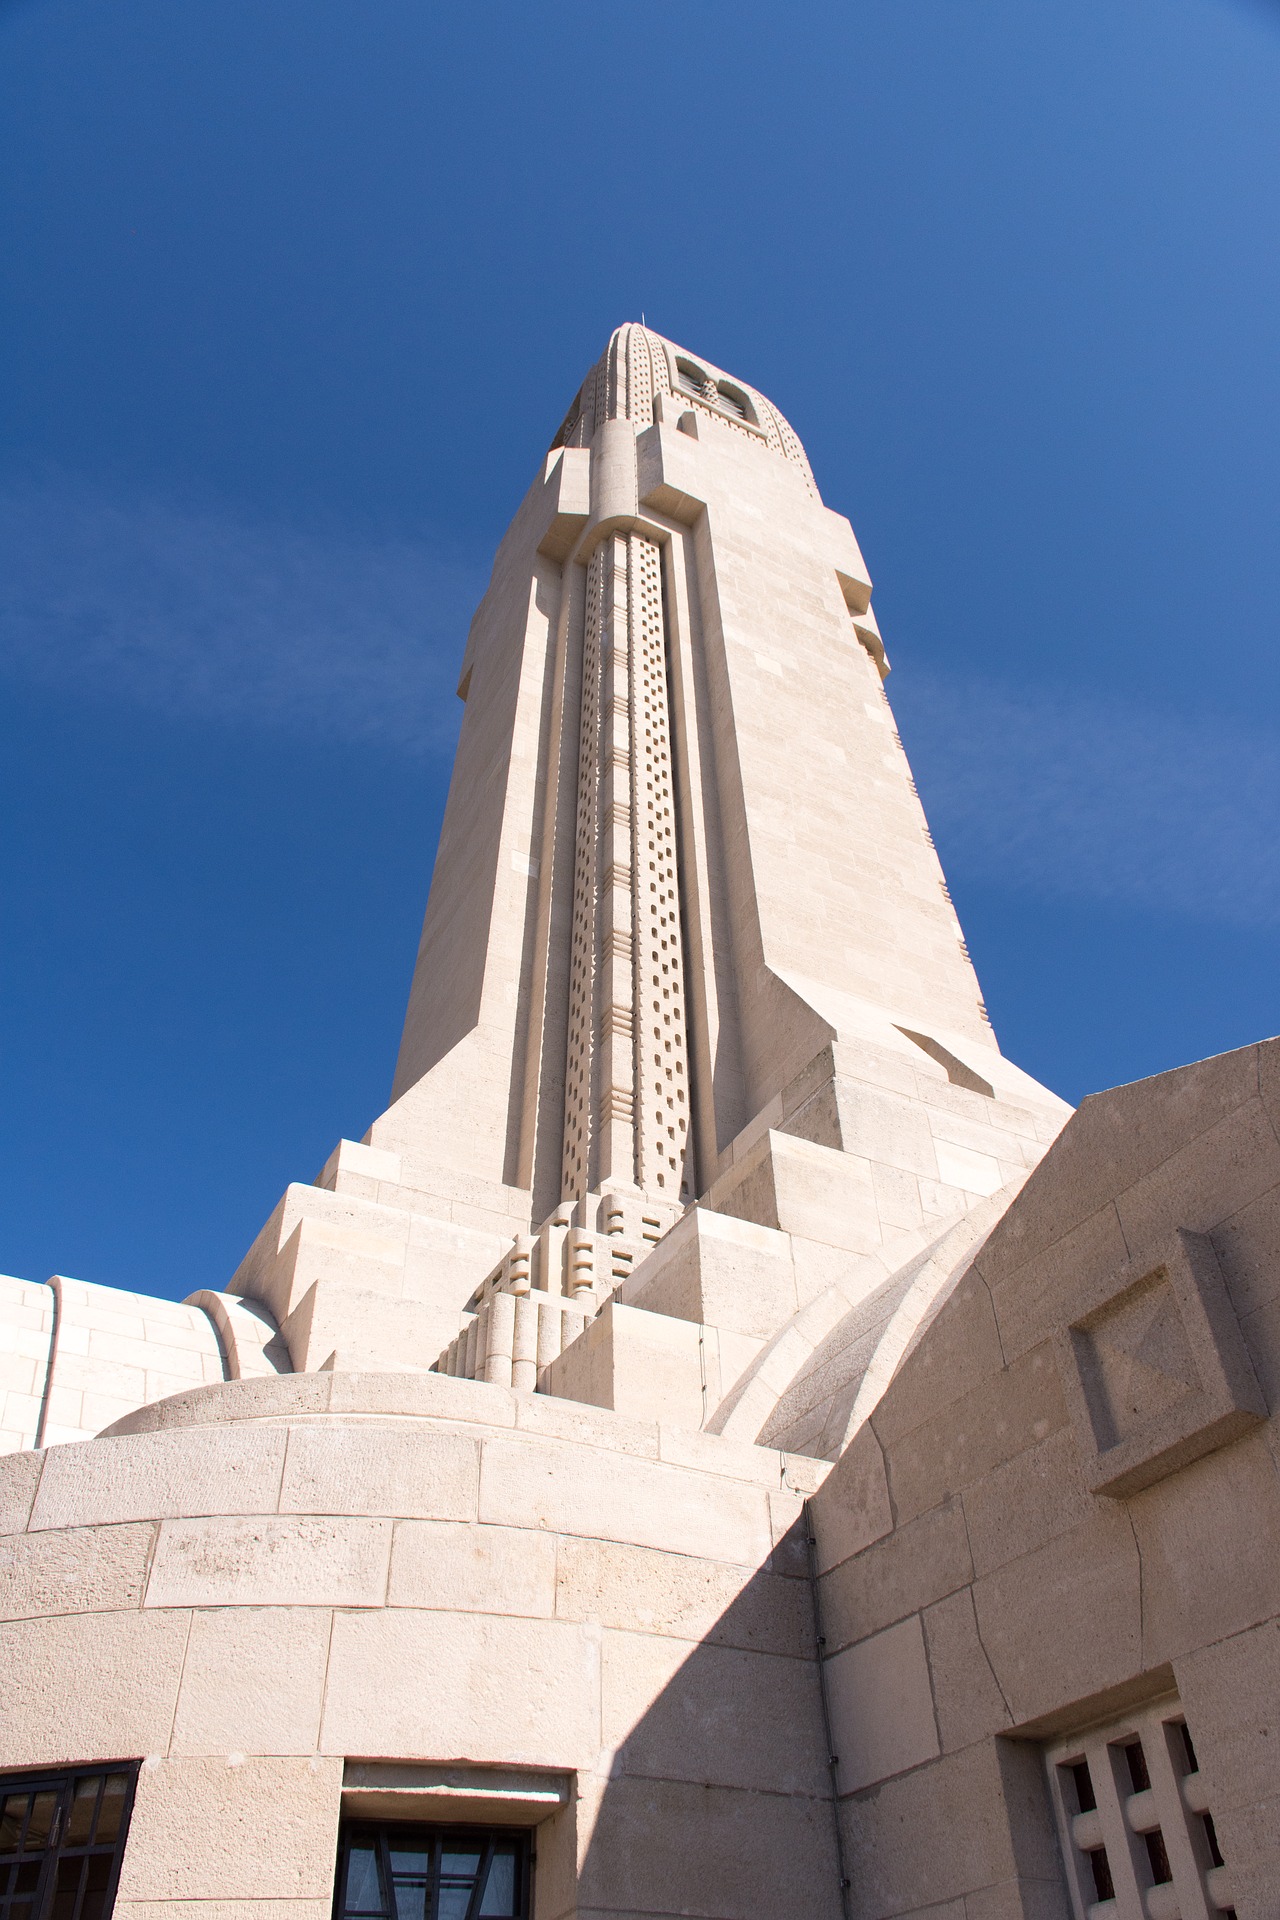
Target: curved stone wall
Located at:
point(251, 1587)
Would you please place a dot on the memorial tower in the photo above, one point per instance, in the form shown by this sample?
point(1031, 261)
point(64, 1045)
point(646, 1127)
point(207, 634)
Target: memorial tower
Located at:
point(726, 1441)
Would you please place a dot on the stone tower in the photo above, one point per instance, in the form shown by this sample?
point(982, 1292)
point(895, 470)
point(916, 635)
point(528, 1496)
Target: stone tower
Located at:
point(695, 1058)
point(719, 1445)
point(681, 818)
point(688, 940)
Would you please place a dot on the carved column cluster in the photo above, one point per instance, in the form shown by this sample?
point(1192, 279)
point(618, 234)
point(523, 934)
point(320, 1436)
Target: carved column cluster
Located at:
point(539, 1298)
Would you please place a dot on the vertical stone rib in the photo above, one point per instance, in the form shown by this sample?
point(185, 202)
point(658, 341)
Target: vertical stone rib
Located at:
point(580, 1063)
point(661, 1067)
point(615, 1157)
point(627, 1103)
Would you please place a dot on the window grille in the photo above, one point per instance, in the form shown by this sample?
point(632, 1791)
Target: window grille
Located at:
point(61, 1840)
point(1134, 1822)
point(732, 402)
point(401, 1872)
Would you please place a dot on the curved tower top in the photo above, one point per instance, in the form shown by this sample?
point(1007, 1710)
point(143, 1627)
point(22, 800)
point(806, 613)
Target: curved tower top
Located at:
point(638, 364)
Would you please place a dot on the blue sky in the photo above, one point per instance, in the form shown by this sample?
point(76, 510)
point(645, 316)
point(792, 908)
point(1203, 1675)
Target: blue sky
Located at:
point(295, 293)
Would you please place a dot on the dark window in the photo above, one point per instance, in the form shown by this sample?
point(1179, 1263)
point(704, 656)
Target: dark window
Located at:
point(61, 1838)
point(397, 1872)
point(1103, 1885)
point(1211, 1840)
point(1137, 1766)
point(1180, 1727)
point(1161, 1873)
point(732, 402)
point(1086, 1799)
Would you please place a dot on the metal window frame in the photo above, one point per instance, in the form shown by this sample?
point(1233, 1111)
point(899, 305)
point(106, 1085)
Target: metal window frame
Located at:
point(383, 1834)
point(63, 1780)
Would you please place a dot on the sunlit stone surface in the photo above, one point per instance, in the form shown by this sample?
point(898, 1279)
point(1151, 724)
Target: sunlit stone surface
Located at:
point(477, 1498)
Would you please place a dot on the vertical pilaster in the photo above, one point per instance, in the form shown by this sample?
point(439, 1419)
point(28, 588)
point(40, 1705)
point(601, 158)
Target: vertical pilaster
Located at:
point(661, 1065)
point(615, 1155)
point(580, 1060)
point(627, 1112)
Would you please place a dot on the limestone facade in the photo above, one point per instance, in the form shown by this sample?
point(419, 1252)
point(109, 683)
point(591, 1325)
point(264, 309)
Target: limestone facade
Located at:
point(724, 1421)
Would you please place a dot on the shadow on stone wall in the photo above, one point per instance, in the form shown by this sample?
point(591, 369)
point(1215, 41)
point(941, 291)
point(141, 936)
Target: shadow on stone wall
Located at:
point(718, 1803)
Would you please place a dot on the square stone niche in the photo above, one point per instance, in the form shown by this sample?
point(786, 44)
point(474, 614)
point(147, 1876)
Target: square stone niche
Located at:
point(1158, 1374)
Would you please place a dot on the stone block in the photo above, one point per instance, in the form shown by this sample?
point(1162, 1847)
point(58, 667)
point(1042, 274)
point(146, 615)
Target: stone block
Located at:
point(819, 1267)
point(1064, 1622)
point(1212, 1176)
point(507, 1570)
point(882, 1706)
point(967, 1698)
point(921, 1561)
point(790, 1556)
point(615, 1585)
point(674, 1710)
point(1000, 1417)
point(745, 1845)
point(223, 1909)
point(81, 1570)
point(1027, 1501)
point(1209, 1541)
point(616, 1497)
point(148, 1476)
point(351, 1159)
point(539, 1414)
point(88, 1686)
point(717, 1269)
point(963, 1347)
point(1110, 1144)
point(1231, 1693)
point(376, 1468)
point(252, 1681)
point(481, 1687)
point(1029, 1306)
point(264, 1398)
point(804, 1187)
point(231, 1829)
point(739, 1459)
point(1248, 1249)
point(1261, 1332)
point(643, 1364)
point(1020, 1899)
point(968, 1170)
point(295, 1560)
point(19, 1478)
point(422, 1396)
point(453, 1791)
point(885, 1127)
point(360, 1314)
point(897, 1198)
point(853, 1509)
point(933, 1832)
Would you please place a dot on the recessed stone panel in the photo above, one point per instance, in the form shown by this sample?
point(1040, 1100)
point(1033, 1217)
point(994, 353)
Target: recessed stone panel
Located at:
point(1158, 1374)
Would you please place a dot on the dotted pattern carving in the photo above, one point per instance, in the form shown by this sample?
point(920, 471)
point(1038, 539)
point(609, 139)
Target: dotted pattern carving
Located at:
point(661, 1077)
point(626, 1087)
point(579, 1063)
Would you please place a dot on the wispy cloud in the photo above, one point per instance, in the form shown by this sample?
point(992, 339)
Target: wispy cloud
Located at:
point(204, 614)
point(1100, 799)
point(207, 615)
